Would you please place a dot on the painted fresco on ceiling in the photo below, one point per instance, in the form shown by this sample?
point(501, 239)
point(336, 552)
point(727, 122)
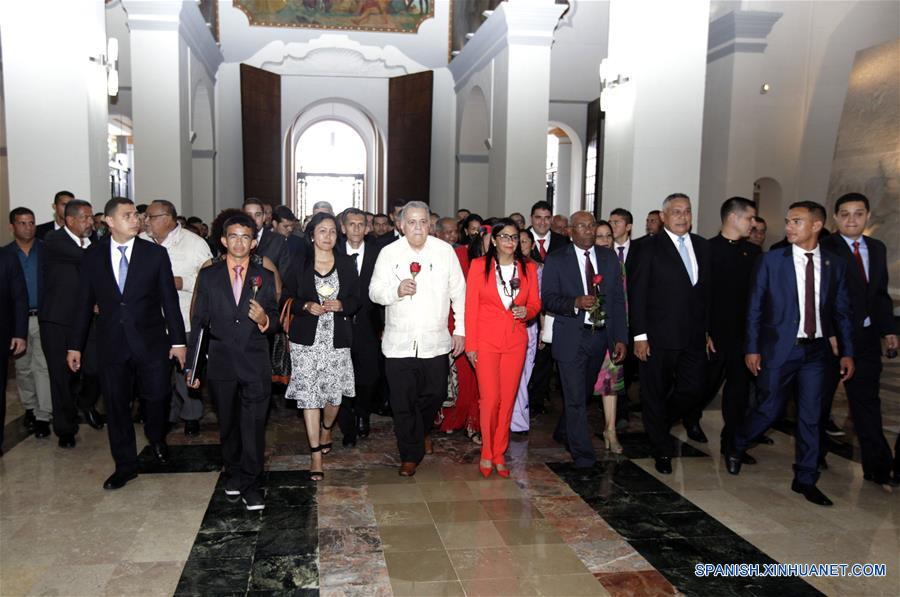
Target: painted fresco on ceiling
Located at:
point(399, 16)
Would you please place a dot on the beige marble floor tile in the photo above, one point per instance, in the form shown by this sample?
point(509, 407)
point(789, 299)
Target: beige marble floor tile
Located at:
point(424, 566)
point(446, 491)
point(500, 587)
point(547, 558)
point(74, 580)
point(17, 578)
point(486, 489)
point(464, 535)
point(393, 494)
point(427, 589)
point(527, 532)
point(144, 578)
point(402, 514)
point(483, 563)
point(457, 511)
point(510, 509)
point(410, 538)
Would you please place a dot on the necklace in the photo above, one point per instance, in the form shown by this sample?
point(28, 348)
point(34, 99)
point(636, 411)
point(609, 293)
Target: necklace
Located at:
point(508, 290)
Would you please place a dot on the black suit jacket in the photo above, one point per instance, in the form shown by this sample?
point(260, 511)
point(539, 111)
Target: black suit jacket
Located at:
point(275, 247)
point(557, 241)
point(732, 267)
point(237, 349)
point(60, 276)
point(13, 301)
point(662, 302)
point(562, 283)
point(867, 299)
point(368, 321)
point(42, 230)
point(145, 321)
point(301, 286)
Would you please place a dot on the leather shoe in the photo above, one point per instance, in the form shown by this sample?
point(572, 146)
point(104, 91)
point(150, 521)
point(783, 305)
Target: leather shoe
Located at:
point(192, 428)
point(764, 440)
point(695, 433)
point(664, 465)
point(92, 417)
point(118, 480)
point(429, 446)
point(811, 493)
point(733, 463)
point(348, 441)
point(362, 427)
point(745, 458)
point(41, 429)
point(408, 469)
point(823, 465)
point(67, 440)
point(160, 452)
point(28, 420)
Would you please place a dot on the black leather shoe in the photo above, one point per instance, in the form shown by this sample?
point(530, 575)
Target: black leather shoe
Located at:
point(664, 465)
point(362, 427)
point(160, 452)
point(118, 480)
point(745, 458)
point(733, 463)
point(895, 479)
point(28, 420)
point(92, 418)
point(695, 433)
point(811, 493)
point(192, 428)
point(41, 429)
point(823, 465)
point(253, 500)
point(764, 440)
point(348, 441)
point(67, 440)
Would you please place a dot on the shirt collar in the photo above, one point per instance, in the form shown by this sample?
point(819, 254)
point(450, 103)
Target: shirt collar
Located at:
point(78, 241)
point(675, 237)
point(115, 245)
point(802, 252)
point(538, 237)
point(626, 244)
point(861, 240)
point(172, 237)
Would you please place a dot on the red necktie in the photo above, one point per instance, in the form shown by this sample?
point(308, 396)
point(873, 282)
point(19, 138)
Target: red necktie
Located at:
point(859, 261)
point(541, 248)
point(588, 272)
point(809, 309)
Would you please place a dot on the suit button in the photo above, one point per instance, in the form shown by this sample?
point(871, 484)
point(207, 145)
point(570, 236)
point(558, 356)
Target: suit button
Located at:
point(236, 321)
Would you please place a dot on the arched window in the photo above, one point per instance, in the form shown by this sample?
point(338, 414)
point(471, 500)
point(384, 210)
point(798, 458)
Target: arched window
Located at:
point(330, 165)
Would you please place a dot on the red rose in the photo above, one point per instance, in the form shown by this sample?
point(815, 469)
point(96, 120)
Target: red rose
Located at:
point(598, 279)
point(415, 267)
point(256, 282)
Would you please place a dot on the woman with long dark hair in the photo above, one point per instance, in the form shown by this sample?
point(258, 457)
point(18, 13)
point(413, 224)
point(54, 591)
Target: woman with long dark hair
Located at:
point(501, 297)
point(521, 417)
point(325, 289)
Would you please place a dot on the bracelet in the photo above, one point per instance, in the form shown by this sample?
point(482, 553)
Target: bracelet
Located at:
point(306, 306)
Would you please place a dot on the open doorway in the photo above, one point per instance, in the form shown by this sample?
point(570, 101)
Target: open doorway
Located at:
point(330, 162)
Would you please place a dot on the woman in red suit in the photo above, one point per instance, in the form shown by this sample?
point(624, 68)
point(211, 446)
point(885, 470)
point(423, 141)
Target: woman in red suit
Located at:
point(501, 296)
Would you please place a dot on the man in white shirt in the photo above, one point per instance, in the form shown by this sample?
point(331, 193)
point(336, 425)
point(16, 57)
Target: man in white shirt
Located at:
point(417, 279)
point(187, 252)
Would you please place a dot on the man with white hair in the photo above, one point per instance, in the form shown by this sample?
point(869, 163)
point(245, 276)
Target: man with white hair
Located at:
point(322, 206)
point(417, 279)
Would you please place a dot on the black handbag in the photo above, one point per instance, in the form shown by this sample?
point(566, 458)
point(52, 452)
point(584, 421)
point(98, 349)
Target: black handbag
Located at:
point(281, 347)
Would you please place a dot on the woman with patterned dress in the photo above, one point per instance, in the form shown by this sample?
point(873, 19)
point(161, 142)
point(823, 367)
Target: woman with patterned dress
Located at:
point(521, 419)
point(611, 379)
point(324, 288)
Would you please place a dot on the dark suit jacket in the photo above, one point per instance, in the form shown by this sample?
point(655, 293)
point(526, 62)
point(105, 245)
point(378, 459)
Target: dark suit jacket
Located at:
point(557, 241)
point(368, 322)
point(301, 286)
point(13, 301)
point(867, 299)
point(773, 312)
point(60, 277)
point(563, 283)
point(38, 249)
point(237, 349)
point(145, 321)
point(275, 247)
point(42, 230)
point(732, 267)
point(662, 302)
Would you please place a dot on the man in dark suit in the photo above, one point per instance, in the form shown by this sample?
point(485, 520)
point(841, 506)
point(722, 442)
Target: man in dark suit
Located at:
point(873, 320)
point(368, 362)
point(669, 292)
point(798, 300)
point(570, 290)
point(732, 258)
point(268, 242)
point(236, 306)
point(139, 329)
point(60, 277)
point(545, 240)
point(59, 215)
point(13, 322)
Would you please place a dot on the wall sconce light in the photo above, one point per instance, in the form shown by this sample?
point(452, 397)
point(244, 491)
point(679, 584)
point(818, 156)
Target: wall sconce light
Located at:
point(765, 89)
point(611, 77)
point(110, 62)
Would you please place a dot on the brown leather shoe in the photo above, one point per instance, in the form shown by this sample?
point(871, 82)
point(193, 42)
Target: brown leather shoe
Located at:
point(429, 447)
point(408, 469)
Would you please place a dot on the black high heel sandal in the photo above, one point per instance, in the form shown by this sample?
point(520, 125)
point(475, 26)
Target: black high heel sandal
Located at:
point(315, 475)
point(326, 448)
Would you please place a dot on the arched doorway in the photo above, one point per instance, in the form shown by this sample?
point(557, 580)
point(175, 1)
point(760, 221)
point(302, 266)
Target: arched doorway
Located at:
point(330, 165)
point(358, 119)
point(564, 169)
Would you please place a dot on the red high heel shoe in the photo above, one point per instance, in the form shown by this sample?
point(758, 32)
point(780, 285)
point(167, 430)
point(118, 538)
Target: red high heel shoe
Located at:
point(502, 470)
point(485, 470)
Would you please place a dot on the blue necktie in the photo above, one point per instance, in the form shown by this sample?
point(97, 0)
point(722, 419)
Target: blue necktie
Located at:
point(686, 258)
point(123, 269)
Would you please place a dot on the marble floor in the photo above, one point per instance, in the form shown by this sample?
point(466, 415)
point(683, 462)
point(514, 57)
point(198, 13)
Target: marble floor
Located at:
point(619, 529)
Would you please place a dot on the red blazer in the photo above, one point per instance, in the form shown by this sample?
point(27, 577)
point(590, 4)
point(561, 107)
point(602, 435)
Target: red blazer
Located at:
point(489, 325)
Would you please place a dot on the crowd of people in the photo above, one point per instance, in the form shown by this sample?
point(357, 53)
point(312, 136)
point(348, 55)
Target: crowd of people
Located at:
point(446, 324)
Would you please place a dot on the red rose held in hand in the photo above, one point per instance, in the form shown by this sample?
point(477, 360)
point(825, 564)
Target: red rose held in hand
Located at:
point(414, 268)
point(255, 284)
point(598, 279)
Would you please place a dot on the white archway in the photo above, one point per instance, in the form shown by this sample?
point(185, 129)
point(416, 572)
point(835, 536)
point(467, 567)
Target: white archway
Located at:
point(358, 118)
point(575, 172)
point(473, 153)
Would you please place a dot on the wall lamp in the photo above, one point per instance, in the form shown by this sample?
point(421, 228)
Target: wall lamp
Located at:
point(610, 78)
point(110, 62)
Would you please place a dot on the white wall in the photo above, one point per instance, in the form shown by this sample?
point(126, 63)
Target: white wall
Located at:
point(229, 149)
point(442, 189)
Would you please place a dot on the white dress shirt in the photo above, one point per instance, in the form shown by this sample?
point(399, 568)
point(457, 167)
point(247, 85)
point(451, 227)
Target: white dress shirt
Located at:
point(417, 325)
point(84, 243)
point(361, 251)
point(579, 254)
point(800, 271)
point(626, 245)
point(187, 252)
point(690, 248)
point(508, 271)
point(538, 238)
point(115, 255)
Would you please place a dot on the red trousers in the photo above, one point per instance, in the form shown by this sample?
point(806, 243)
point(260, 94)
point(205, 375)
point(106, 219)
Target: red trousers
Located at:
point(498, 381)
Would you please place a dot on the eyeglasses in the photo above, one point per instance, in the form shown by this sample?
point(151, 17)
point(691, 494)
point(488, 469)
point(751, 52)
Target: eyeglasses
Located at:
point(508, 237)
point(156, 215)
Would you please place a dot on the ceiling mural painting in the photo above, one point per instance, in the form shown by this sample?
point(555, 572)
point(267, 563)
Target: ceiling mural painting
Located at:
point(398, 16)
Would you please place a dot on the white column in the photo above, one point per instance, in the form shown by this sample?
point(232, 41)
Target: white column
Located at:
point(56, 106)
point(564, 180)
point(654, 120)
